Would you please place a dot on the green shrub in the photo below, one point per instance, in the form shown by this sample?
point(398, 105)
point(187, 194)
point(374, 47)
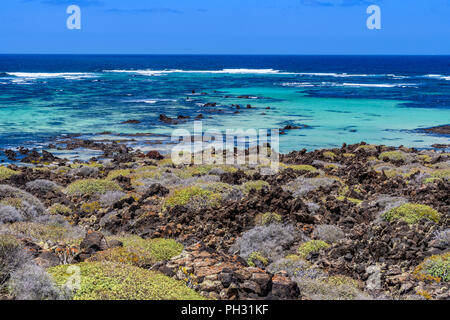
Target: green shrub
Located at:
point(115, 281)
point(89, 165)
point(329, 155)
point(435, 268)
point(412, 213)
point(300, 167)
point(267, 218)
point(333, 288)
point(311, 246)
point(53, 232)
point(393, 155)
point(32, 282)
point(256, 185)
point(352, 200)
point(349, 155)
point(200, 170)
point(117, 173)
point(367, 148)
point(91, 187)
point(339, 280)
point(59, 209)
point(121, 255)
point(141, 252)
point(90, 207)
point(6, 173)
point(27, 205)
point(12, 256)
point(256, 258)
point(440, 174)
point(194, 197)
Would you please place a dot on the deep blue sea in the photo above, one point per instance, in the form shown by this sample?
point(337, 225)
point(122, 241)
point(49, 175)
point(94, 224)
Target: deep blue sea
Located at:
point(377, 99)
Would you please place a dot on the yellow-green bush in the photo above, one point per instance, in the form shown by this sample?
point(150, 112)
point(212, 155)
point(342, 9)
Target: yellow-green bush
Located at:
point(311, 246)
point(349, 155)
point(117, 173)
point(393, 155)
point(412, 213)
point(199, 170)
point(141, 252)
point(367, 148)
point(352, 200)
point(6, 173)
point(60, 209)
point(299, 167)
point(91, 187)
point(439, 174)
point(194, 196)
point(339, 280)
point(329, 155)
point(47, 232)
point(121, 255)
point(424, 158)
point(114, 281)
point(332, 288)
point(91, 165)
point(257, 256)
point(12, 202)
point(90, 207)
point(435, 268)
point(267, 218)
point(257, 185)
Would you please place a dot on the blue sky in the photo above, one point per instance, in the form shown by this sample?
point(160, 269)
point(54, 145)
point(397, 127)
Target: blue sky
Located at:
point(226, 27)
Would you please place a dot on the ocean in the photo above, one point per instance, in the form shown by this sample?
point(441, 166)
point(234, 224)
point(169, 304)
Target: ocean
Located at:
point(376, 99)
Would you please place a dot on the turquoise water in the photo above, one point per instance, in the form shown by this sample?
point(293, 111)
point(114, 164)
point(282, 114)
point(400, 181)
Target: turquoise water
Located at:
point(381, 100)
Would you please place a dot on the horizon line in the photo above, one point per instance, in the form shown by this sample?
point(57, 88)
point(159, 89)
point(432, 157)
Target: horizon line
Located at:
point(236, 54)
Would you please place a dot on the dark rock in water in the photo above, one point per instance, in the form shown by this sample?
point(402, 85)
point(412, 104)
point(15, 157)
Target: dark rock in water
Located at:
point(183, 117)
point(445, 129)
point(11, 155)
point(23, 151)
point(249, 106)
point(200, 116)
point(166, 119)
point(210, 104)
point(47, 156)
point(292, 127)
point(131, 122)
point(155, 155)
point(32, 157)
point(440, 146)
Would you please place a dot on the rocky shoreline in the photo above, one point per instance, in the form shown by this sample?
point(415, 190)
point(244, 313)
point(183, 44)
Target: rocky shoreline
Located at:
point(357, 222)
